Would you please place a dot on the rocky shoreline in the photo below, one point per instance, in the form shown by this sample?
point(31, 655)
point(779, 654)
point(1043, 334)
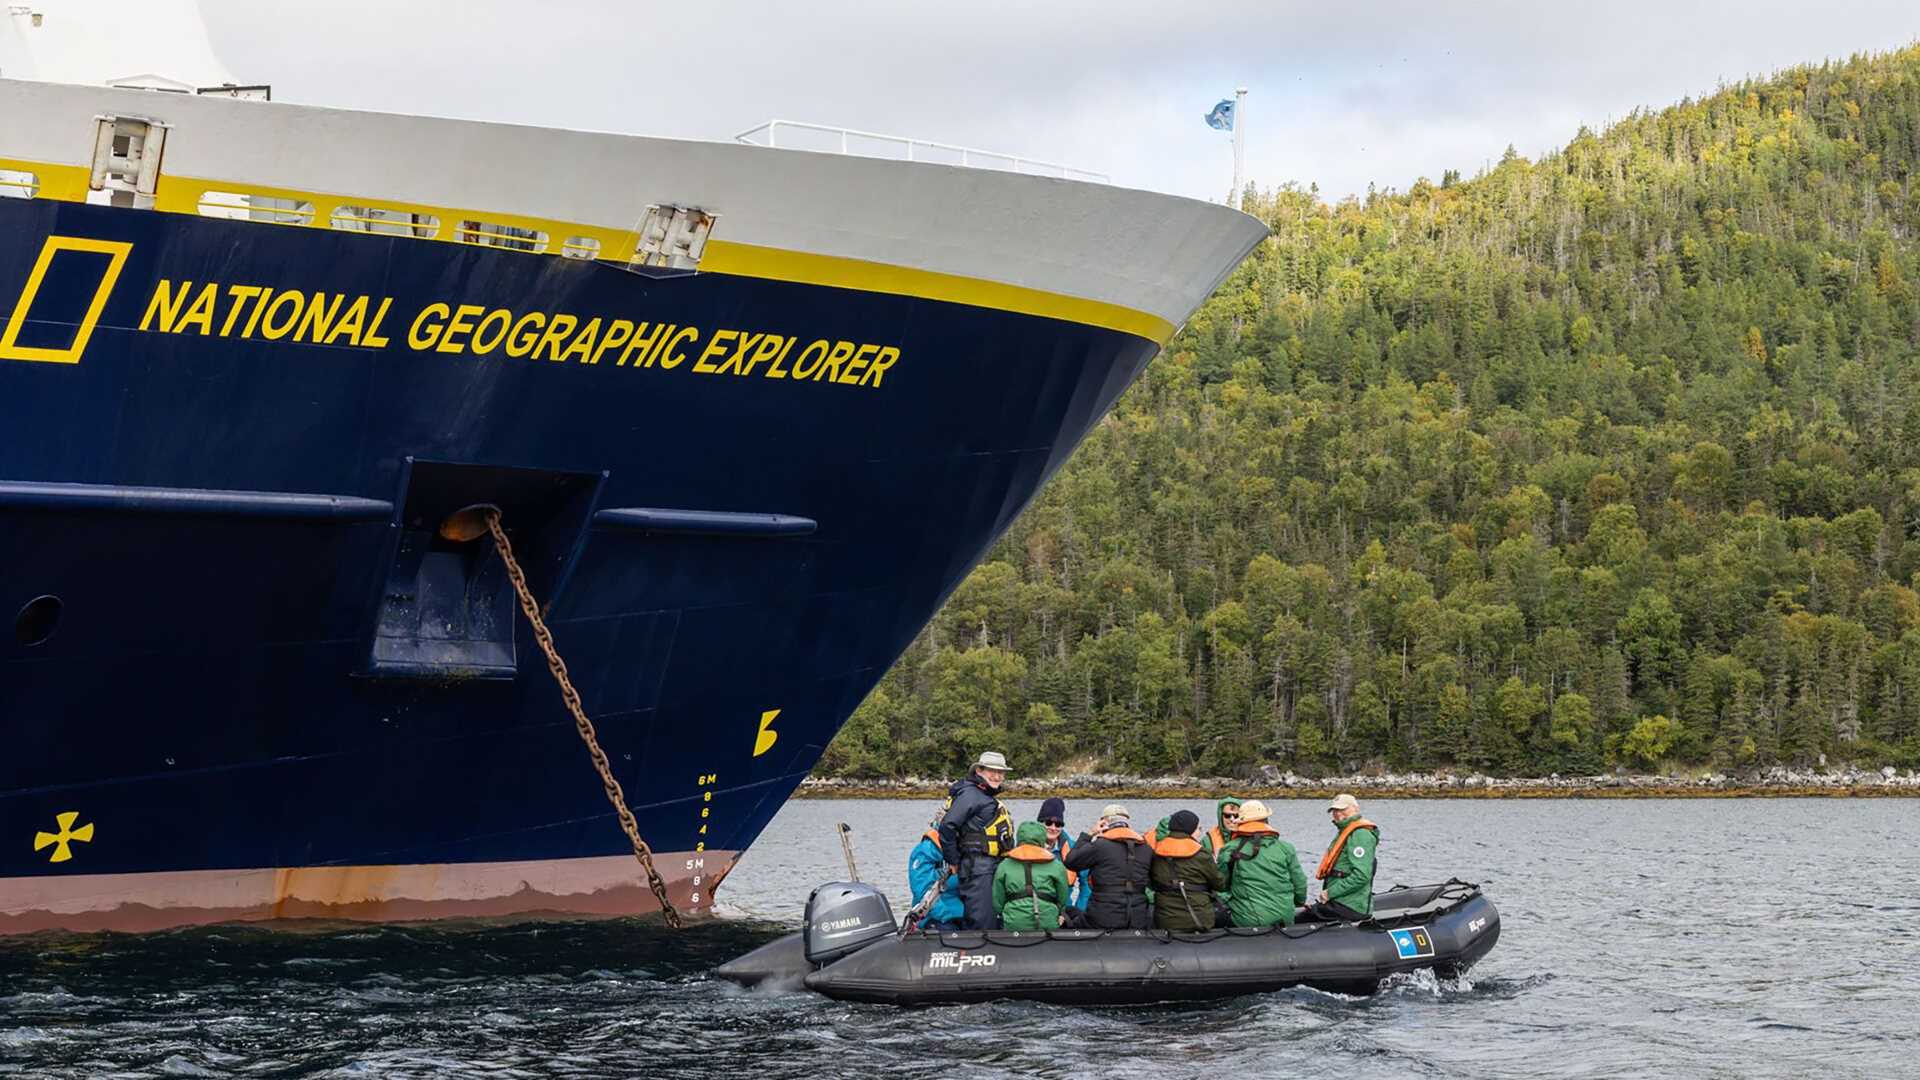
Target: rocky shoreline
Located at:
point(1275, 783)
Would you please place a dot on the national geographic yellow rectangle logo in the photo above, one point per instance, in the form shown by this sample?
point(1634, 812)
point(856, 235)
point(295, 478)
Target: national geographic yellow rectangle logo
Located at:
point(116, 252)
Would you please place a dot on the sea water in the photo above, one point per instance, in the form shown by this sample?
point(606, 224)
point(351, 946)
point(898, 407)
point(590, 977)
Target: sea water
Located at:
point(1735, 938)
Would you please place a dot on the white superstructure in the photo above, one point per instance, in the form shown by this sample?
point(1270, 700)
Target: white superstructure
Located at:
point(1089, 252)
point(144, 44)
point(855, 222)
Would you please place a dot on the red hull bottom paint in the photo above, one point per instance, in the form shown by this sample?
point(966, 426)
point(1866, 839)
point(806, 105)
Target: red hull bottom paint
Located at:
point(604, 886)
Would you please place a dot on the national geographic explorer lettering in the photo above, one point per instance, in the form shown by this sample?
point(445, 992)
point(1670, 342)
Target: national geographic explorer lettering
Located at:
point(260, 312)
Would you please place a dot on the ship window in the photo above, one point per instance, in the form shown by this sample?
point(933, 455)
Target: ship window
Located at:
point(581, 247)
point(237, 207)
point(37, 621)
point(18, 185)
point(381, 221)
point(491, 234)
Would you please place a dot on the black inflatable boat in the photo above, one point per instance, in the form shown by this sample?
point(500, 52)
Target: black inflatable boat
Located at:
point(851, 950)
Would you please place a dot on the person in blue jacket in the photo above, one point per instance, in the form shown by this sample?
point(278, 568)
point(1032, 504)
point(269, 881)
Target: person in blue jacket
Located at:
point(1053, 814)
point(925, 865)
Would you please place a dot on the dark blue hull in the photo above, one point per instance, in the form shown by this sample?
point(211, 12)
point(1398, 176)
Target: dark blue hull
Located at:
point(296, 674)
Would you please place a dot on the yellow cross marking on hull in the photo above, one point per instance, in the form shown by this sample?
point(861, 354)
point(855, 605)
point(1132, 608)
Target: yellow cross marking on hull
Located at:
point(58, 841)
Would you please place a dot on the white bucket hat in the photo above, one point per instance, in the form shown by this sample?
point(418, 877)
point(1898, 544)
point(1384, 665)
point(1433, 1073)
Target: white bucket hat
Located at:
point(992, 759)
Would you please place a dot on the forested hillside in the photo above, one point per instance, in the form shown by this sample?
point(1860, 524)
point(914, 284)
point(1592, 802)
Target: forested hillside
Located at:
point(1607, 458)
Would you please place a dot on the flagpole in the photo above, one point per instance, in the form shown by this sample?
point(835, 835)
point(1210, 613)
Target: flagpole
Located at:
point(1239, 143)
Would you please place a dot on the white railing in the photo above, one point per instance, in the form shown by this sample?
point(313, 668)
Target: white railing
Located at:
point(901, 148)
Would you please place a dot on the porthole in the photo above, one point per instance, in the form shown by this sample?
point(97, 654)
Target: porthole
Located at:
point(37, 621)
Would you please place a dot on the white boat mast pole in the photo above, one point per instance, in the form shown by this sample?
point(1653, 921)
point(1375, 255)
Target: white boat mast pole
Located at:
point(1239, 143)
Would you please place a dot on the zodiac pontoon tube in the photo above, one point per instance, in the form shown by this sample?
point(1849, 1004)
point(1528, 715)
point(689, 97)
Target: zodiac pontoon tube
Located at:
point(851, 951)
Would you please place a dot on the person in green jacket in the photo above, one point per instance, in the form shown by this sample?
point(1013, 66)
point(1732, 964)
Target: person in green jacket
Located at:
point(1264, 881)
point(1348, 866)
point(1227, 813)
point(1030, 885)
point(1184, 877)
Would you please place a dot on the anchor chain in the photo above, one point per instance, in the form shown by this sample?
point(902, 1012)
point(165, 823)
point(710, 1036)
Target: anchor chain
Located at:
point(615, 795)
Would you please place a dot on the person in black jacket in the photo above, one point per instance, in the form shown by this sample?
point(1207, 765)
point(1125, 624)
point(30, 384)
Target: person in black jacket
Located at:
point(1120, 861)
point(975, 834)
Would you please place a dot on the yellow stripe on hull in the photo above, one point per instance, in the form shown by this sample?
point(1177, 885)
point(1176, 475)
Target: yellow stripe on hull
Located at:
point(184, 195)
point(749, 260)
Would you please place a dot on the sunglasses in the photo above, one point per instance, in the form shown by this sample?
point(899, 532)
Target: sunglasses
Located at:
point(1055, 824)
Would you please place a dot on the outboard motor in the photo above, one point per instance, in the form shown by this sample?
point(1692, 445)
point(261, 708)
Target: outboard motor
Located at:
point(844, 917)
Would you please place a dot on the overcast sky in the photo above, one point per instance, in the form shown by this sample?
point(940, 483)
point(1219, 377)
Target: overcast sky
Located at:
point(1345, 94)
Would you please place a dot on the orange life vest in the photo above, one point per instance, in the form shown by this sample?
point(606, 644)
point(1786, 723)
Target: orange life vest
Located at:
point(1214, 838)
point(1122, 835)
point(933, 835)
point(1066, 845)
point(1339, 844)
point(1028, 855)
point(1176, 847)
point(1251, 831)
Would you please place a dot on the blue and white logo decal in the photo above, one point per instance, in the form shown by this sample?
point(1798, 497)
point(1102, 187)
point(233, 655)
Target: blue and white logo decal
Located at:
point(1412, 944)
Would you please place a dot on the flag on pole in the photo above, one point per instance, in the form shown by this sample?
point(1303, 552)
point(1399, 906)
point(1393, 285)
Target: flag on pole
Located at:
point(1221, 118)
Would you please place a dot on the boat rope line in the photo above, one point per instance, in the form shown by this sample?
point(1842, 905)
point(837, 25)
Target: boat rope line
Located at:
point(571, 697)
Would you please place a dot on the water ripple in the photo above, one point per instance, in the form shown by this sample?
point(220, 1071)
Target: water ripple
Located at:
point(1618, 956)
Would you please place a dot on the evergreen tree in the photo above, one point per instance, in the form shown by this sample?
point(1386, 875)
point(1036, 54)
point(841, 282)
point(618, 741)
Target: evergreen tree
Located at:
point(1611, 458)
